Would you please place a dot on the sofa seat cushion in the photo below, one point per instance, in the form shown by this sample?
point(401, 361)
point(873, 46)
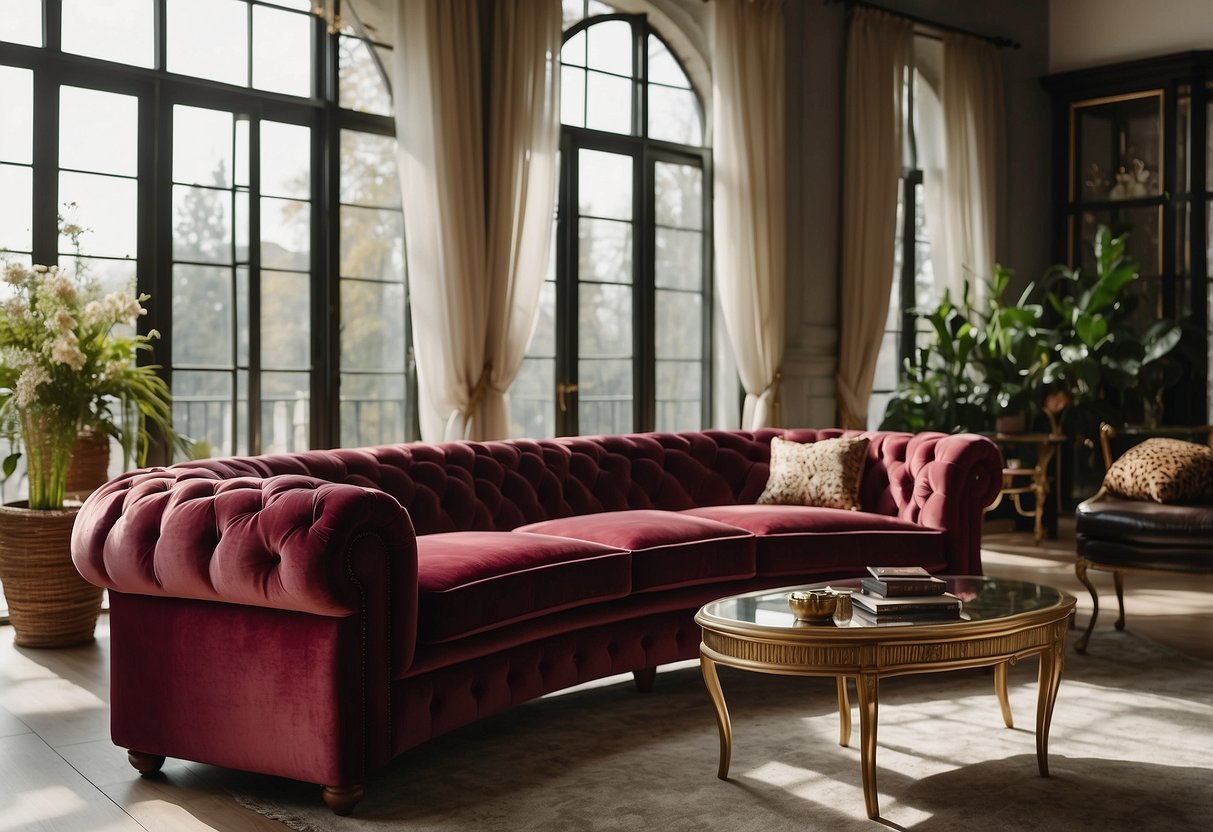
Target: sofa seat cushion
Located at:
point(1111, 517)
point(669, 549)
point(799, 540)
point(469, 582)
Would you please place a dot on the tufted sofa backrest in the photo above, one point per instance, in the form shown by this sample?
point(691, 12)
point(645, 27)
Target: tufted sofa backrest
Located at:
point(463, 486)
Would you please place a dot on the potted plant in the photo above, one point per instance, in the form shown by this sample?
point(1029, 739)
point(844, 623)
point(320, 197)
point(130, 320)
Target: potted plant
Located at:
point(67, 367)
point(1107, 368)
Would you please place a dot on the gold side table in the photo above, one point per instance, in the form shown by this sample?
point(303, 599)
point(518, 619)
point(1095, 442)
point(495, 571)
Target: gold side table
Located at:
point(1033, 480)
point(1004, 621)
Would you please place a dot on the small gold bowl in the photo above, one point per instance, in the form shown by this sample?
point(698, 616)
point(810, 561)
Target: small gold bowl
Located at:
point(814, 605)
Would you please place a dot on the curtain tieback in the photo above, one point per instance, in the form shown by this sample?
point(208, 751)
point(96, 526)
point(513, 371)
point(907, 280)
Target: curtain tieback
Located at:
point(482, 384)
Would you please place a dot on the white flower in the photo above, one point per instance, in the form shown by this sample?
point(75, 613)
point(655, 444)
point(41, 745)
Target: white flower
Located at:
point(28, 383)
point(61, 322)
point(15, 274)
point(66, 350)
point(93, 312)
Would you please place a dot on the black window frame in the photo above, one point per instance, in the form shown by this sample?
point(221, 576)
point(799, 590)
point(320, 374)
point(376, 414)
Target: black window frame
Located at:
point(645, 152)
point(158, 91)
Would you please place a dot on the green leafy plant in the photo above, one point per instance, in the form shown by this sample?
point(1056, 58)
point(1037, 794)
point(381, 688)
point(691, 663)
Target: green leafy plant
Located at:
point(68, 364)
point(1111, 371)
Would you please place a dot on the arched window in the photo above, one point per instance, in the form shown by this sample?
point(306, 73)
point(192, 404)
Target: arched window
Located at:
point(623, 341)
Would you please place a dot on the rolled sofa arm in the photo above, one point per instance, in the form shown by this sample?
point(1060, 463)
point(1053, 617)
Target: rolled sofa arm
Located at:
point(946, 483)
point(285, 542)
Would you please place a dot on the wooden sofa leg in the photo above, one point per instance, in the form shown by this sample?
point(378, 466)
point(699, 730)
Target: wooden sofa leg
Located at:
point(645, 679)
point(1080, 569)
point(145, 764)
point(343, 799)
point(1119, 578)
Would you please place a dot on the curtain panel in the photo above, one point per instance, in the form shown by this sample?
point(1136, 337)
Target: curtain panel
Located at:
point(749, 203)
point(974, 126)
point(879, 52)
point(474, 272)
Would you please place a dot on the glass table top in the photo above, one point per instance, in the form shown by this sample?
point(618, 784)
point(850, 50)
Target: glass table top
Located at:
point(981, 599)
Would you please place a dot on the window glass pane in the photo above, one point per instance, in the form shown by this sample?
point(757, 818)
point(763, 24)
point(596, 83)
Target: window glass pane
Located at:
point(368, 170)
point(543, 341)
point(362, 85)
point(202, 146)
point(98, 131)
point(286, 331)
point(16, 208)
point(242, 317)
point(674, 115)
point(888, 363)
point(604, 251)
point(610, 47)
point(572, 96)
point(679, 259)
point(604, 320)
point(17, 126)
point(679, 195)
point(372, 330)
point(286, 160)
point(202, 316)
point(372, 243)
point(372, 410)
point(202, 410)
point(604, 184)
point(604, 398)
point(663, 68)
point(209, 39)
point(284, 412)
point(285, 234)
point(112, 274)
point(116, 30)
point(240, 225)
point(573, 51)
point(202, 224)
point(679, 395)
point(609, 103)
point(532, 403)
point(679, 325)
point(107, 206)
point(301, 5)
point(21, 22)
point(282, 51)
point(242, 150)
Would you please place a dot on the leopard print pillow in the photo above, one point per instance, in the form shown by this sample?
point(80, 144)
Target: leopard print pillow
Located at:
point(1165, 471)
point(825, 473)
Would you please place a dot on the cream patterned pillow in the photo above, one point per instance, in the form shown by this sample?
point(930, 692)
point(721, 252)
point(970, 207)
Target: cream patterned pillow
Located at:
point(1165, 471)
point(826, 473)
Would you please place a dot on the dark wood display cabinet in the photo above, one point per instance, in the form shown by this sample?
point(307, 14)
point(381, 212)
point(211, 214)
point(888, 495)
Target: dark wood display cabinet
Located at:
point(1132, 150)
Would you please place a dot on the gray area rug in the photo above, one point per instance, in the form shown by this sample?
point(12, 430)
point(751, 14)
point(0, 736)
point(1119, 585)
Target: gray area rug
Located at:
point(1131, 748)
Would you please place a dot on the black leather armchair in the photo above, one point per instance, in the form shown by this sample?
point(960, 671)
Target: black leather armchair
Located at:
point(1120, 535)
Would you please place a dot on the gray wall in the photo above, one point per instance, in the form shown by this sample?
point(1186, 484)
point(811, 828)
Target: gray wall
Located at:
point(816, 36)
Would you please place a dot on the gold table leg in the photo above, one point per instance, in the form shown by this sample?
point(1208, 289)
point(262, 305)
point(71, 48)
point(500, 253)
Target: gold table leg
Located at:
point(712, 680)
point(844, 713)
point(1000, 687)
point(1046, 697)
point(868, 686)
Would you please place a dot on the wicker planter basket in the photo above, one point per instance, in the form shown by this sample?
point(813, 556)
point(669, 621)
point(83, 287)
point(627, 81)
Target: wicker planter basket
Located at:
point(50, 605)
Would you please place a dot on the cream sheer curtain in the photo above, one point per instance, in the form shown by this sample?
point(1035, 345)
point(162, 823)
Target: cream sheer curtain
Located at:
point(749, 200)
point(474, 278)
point(973, 118)
point(879, 50)
point(524, 140)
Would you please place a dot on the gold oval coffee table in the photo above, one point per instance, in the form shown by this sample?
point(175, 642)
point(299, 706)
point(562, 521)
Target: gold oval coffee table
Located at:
point(1002, 622)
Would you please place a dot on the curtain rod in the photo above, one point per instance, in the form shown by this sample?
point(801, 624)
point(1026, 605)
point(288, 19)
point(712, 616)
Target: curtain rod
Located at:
point(1001, 42)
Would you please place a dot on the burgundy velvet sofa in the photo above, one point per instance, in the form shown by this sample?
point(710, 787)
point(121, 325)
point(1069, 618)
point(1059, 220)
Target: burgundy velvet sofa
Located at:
point(312, 615)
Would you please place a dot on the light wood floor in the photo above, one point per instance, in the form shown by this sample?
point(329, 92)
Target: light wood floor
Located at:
point(59, 771)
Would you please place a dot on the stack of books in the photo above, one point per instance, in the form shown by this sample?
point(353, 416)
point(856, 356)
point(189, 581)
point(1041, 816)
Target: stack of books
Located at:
point(901, 594)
